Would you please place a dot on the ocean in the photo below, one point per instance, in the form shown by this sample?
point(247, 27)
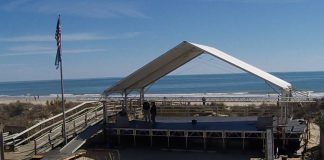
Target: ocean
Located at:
point(240, 83)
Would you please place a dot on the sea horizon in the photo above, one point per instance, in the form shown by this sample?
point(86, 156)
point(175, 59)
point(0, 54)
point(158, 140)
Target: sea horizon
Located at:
point(120, 77)
point(199, 84)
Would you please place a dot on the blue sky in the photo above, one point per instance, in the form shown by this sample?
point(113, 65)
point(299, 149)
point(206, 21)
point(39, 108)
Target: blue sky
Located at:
point(102, 38)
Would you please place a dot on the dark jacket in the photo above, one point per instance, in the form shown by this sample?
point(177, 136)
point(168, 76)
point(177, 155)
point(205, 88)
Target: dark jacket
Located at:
point(146, 106)
point(153, 109)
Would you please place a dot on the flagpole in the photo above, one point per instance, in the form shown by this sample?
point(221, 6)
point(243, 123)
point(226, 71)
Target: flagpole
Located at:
point(58, 63)
point(62, 103)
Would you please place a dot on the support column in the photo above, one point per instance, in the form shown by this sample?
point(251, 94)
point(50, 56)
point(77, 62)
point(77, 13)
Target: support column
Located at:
point(286, 112)
point(125, 100)
point(269, 146)
point(204, 138)
point(223, 140)
point(141, 96)
point(281, 113)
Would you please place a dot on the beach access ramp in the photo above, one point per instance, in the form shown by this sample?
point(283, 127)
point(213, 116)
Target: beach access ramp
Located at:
point(79, 140)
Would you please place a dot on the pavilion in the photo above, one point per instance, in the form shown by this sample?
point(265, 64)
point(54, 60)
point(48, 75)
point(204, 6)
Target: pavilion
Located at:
point(178, 56)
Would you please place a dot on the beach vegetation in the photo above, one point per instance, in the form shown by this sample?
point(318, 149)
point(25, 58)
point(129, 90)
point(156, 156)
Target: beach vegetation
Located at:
point(28, 114)
point(320, 112)
point(218, 104)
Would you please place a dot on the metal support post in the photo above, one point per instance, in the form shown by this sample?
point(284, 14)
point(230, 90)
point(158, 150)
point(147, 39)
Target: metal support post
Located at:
point(285, 118)
point(141, 96)
point(125, 100)
point(269, 147)
point(204, 137)
point(223, 138)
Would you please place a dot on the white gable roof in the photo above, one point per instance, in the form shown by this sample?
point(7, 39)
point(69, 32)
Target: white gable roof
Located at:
point(178, 56)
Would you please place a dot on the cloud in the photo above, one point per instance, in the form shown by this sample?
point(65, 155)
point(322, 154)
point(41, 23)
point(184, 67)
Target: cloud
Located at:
point(30, 48)
point(11, 65)
point(84, 8)
point(53, 52)
point(68, 37)
point(31, 38)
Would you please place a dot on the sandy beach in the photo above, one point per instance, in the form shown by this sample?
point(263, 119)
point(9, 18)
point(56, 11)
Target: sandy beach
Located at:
point(33, 100)
point(182, 100)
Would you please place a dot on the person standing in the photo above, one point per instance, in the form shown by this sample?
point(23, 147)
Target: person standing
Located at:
point(146, 111)
point(153, 112)
point(203, 100)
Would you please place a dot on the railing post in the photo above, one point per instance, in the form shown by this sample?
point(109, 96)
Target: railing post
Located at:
point(104, 118)
point(96, 114)
point(28, 136)
point(85, 119)
point(13, 144)
point(74, 130)
point(35, 147)
point(49, 140)
point(104, 112)
point(1, 143)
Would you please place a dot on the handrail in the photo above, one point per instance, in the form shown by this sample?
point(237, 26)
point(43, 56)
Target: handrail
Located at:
point(50, 136)
point(49, 119)
point(89, 120)
point(48, 127)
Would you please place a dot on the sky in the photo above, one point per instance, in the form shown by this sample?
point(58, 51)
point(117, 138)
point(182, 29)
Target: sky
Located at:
point(103, 38)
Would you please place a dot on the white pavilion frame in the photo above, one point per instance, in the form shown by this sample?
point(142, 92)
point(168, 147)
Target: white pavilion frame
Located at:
point(178, 56)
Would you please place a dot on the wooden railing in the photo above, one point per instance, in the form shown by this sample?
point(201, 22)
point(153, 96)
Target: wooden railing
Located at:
point(74, 126)
point(202, 110)
point(44, 126)
point(47, 134)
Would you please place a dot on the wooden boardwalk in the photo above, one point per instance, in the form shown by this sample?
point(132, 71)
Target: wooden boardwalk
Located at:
point(50, 137)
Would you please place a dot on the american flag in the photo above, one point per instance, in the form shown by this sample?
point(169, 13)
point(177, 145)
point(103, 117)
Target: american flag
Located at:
point(58, 59)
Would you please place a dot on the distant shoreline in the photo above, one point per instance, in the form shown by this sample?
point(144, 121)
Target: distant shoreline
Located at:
point(179, 95)
point(4, 99)
point(121, 77)
point(179, 85)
